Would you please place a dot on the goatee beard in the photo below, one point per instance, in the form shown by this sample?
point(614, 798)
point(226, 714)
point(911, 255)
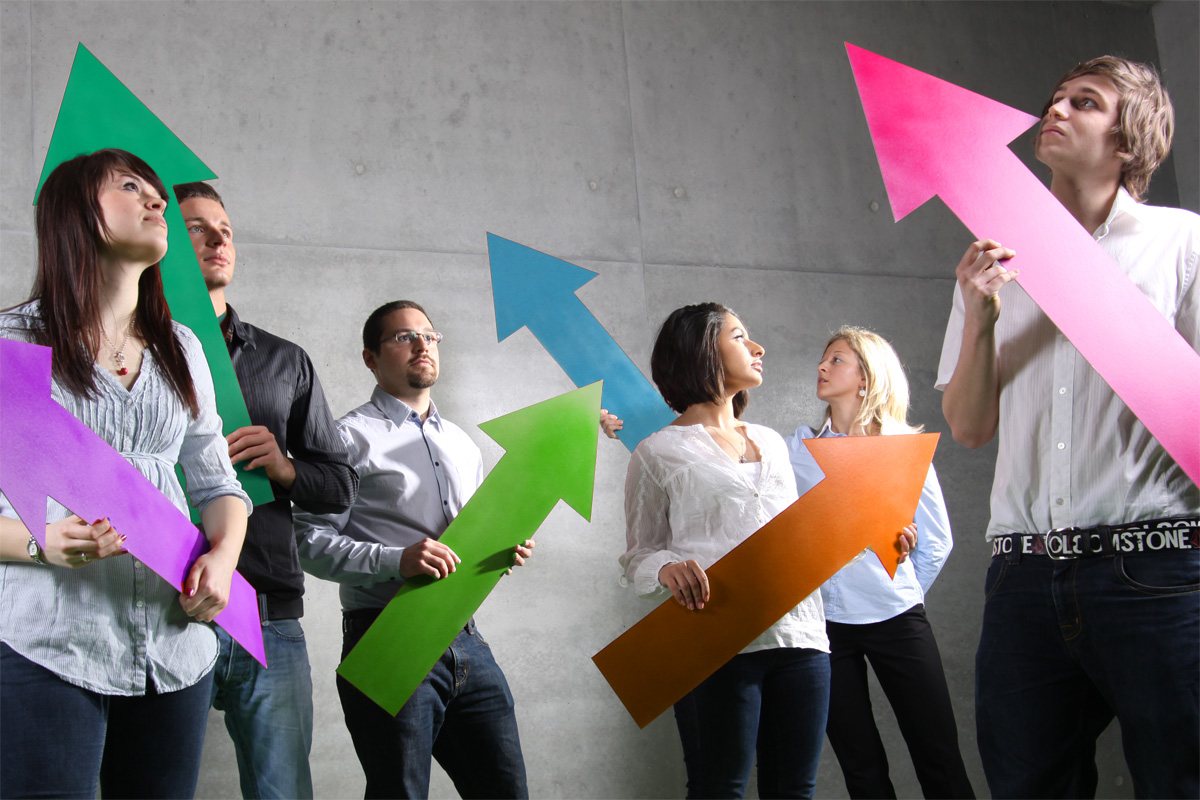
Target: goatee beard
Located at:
point(422, 380)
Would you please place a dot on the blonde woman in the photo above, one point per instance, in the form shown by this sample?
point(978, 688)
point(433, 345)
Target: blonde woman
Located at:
point(869, 616)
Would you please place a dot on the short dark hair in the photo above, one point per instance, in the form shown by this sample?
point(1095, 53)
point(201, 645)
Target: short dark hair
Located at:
point(186, 191)
point(373, 327)
point(686, 360)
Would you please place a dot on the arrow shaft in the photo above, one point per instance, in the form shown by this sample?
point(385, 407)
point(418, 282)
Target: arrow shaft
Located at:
point(1108, 319)
point(587, 352)
point(420, 622)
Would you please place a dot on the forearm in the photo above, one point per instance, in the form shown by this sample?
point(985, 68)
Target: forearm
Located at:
point(14, 538)
point(224, 521)
point(971, 401)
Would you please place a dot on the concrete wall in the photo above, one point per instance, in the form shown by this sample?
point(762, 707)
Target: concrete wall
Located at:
point(685, 151)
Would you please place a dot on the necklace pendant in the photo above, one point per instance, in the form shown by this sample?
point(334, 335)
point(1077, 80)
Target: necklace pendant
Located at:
point(742, 459)
point(123, 371)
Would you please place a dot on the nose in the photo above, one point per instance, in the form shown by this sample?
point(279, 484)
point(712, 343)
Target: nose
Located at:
point(215, 239)
point(156, 203)
point(419, 344)
point(1059, 109)
point(756, 349)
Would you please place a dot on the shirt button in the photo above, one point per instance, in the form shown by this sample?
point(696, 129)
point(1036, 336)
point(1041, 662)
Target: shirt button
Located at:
point(137, 565)
point(1062, 390)
point(756, 494)
point(445, 502)
point(437, 463)
point(1058, 502)
point(1061, 446)
point(141, 649)
point(140, 603)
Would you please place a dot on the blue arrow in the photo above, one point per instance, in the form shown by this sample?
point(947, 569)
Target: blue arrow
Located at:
point(534, 290)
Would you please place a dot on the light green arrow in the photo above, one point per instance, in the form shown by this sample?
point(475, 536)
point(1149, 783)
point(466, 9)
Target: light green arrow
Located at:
point(98, 111)
point(550, 454)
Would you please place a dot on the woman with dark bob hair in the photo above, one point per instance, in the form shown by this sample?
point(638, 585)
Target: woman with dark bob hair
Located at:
point(694, 491)
point(105, 668)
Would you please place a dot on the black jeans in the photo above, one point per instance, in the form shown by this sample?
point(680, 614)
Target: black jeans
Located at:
point(905, 657)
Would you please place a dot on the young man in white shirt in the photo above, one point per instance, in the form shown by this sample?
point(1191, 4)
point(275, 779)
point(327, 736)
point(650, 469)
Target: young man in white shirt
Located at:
point(416, 471)
point(1101, 620)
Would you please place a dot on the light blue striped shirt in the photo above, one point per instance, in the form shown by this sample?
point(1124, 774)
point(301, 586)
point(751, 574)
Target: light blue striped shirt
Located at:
point(861, 592)
point(114, 625)
point(413, 479)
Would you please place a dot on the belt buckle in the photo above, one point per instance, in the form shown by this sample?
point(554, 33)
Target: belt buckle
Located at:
point(1067, 553)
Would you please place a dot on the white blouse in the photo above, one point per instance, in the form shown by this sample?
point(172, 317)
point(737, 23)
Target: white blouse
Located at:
point(685, 498)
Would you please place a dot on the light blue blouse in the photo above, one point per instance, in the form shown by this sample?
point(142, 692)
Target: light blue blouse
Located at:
point(114, 625)
point(861, 592)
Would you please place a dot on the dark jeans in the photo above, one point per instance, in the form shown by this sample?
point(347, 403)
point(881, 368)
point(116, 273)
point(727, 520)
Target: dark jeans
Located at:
point(461, 714)
point(769, 703)
point(60, 740)
point(905, 657)
point(1066, 645)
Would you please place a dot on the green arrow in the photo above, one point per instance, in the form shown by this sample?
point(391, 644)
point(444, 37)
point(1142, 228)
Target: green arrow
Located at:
point(97, 112)
point(550, 453)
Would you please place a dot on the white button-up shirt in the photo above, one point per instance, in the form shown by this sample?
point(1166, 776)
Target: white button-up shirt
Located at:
point(685, 498)
point(1071, 453)
point(414, 478)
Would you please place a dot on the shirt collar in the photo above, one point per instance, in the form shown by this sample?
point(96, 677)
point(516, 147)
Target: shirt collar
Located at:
point(827, 430)
point(399, 412)
point(237, 333)
point(1123, 203)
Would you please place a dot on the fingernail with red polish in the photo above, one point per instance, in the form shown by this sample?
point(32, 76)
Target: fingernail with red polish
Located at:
point(191, 592)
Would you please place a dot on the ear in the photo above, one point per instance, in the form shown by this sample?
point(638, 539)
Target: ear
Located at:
point(369, 359)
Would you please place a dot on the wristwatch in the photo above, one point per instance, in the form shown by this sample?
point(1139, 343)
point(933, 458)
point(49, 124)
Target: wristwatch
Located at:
point(35, 551)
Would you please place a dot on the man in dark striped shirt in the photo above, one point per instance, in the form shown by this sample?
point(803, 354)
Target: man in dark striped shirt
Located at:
point(269, 712)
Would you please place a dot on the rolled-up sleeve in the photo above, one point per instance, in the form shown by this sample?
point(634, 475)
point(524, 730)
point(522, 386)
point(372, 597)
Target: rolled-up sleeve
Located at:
point(204, 453)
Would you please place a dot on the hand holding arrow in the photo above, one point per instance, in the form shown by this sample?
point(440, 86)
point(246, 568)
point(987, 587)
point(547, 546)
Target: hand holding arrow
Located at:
point(932, 137)
point(550, 453)
point(534, 290)
point(37, 431)
point(672, 650)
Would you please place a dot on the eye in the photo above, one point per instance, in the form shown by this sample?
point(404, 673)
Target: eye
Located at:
point(1085, 102)
point(196, 229)
point(130, 184)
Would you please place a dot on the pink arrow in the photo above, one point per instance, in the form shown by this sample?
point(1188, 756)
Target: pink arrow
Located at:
point(37, 430)
point(932, 137)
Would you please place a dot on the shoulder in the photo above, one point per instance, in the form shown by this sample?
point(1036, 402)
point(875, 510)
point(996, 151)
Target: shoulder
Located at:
point(801, 433)
point(765, 436)
point(20, 321)
point(461, 439)
point(277, 345)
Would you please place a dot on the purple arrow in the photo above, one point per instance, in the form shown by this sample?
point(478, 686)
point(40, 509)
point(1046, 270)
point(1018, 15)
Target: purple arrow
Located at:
point(37, 429)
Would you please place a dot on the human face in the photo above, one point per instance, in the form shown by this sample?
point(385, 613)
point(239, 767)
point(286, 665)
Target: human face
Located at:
point(401, 369)
point(741, 357)
point(212, 238)
point(1076, 137)
point(133, 213)
point(838, 374)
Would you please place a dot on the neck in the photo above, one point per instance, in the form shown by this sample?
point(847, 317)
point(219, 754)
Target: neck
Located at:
point(1088, 199)
point(118, 297)
point(217, 296)
point(714, 415)
point(842, 416)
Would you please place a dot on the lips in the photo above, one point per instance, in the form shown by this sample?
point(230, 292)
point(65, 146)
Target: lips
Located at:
point(219, 260)
point(157, 220)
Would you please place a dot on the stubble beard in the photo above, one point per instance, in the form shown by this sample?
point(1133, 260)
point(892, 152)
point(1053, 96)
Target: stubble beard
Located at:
point(421, 377)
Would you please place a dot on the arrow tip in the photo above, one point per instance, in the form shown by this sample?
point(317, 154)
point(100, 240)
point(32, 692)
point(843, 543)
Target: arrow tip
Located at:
point(528, 285)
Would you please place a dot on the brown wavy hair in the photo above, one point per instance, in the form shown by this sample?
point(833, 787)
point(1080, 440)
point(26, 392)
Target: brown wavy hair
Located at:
point(1145, 117)
point(70, 232)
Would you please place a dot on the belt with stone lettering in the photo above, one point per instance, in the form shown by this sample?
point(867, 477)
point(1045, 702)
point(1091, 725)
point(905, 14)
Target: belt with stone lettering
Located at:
point(1131, 538)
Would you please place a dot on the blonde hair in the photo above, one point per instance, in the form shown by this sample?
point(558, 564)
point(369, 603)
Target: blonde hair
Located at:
point(884, 409)
point(1145, 117)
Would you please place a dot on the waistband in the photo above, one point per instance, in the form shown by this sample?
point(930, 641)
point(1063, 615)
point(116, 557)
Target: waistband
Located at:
point(270, 608)
point(1130, 538)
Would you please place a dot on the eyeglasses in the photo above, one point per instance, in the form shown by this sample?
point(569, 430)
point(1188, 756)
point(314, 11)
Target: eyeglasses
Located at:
point(408, 337)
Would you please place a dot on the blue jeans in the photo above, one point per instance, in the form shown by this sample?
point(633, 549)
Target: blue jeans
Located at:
point(268, 712)
point(60, 740)
point(772, 703)
point(462, 714)
point(1066, 645)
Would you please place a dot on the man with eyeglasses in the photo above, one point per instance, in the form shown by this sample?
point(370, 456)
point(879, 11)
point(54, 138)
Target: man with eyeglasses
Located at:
point(417, 471)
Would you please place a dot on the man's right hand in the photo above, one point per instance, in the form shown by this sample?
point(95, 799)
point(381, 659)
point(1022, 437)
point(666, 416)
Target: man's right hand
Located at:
point(687, 582)
point(981, 276)
point(428, 557)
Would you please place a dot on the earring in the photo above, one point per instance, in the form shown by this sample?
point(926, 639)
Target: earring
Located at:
point(862, 392)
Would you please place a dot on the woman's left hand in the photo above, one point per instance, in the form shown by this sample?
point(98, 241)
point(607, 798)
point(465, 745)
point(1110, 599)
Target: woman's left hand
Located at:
point(206, 589)
point(906, 542)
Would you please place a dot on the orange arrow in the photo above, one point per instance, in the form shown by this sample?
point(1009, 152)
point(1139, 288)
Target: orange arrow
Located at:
point(870, 491)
